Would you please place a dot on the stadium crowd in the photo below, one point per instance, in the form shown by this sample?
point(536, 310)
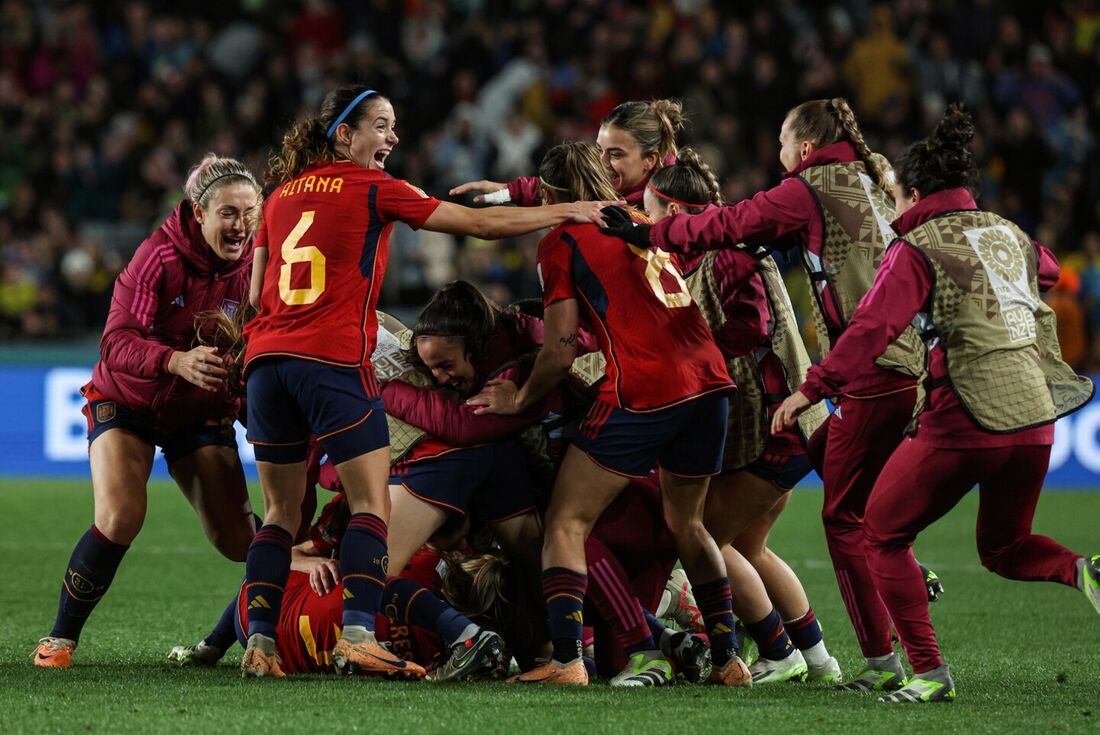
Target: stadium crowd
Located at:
point(103, 105)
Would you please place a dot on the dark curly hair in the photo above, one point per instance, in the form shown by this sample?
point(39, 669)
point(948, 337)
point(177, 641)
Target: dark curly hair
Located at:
point(942, 160)
point(461, 311)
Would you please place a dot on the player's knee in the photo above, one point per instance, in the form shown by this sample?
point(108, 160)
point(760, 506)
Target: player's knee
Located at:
point(233, 543)
point(993, 559)
point(120, 526)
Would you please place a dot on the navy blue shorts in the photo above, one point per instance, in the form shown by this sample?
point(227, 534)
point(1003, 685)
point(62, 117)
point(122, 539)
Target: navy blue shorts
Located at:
point(686, 439)
point(104, 415)
point(784, 470)
point(488, 483)
point(289, 399)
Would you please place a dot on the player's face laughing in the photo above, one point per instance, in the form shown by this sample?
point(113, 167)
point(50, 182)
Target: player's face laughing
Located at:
point(445, 358)
point(228, 220)
point(372, 141)
point(621, 155)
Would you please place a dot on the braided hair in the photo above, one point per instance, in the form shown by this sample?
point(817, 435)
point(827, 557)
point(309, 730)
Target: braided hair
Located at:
point(689, 181)
point(824, 122)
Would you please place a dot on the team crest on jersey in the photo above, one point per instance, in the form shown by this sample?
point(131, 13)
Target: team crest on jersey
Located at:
point(105, 411)
point(230, 307)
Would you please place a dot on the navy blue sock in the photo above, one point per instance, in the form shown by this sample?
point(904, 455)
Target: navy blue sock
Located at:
point(771, 637)
point(656, 627)
point(414, 604)
point(564, 591)
point(716, 604)
point(265, 573)
point(363, 563)
point(805, 631)
point(224, 634)
point(91, 569)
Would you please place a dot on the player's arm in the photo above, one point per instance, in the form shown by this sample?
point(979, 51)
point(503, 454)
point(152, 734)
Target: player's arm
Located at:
point(324, 573)
point(259, 263)
point(492, 223)
point(559, 349)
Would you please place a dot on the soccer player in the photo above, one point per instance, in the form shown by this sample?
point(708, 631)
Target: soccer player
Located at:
point(327, 226)
point(747, 307)
point(153, 387)
point(995, 384)
point(833, 207)
point(636, 140)
point(664, 400)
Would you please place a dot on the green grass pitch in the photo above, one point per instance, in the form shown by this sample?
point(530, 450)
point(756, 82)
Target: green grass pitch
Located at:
point(1026, 657)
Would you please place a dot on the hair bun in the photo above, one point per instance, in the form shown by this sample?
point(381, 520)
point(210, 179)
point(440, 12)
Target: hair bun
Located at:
point(955, 130)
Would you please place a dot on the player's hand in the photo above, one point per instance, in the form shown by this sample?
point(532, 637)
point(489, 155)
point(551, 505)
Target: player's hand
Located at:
point(482, 187)
point(201, 366)
point(618, 223)
point(324, 574)
point(789, 411)
point(594, 213)
point(498, 396)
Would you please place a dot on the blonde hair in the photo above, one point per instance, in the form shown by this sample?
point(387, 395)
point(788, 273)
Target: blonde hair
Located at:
point(215, 328)
point(211, 174)
point(654, 124)
point(824, 122)
point(573, 171)
point(475, 585)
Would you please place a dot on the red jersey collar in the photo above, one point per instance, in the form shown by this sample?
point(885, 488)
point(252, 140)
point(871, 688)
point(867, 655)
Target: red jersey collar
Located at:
point(947, 200)
point(842, 152)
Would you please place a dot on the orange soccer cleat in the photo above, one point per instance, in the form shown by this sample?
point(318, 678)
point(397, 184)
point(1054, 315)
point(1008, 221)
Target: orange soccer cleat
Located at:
point(261, 659)
point(54, 653)
point(551, 672)
point(371, 658)
point(734, 674)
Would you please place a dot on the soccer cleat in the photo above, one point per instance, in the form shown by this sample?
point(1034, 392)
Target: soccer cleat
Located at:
point(482, 653)
point(733, 674)
point(827, 673)
point(570, 674)
point(198, 654)
point(934, 686)
point(54, 653)
point(769, 671)
point(931, 582)
point(261, 659)
point(690, 654)
point(678, 603)
point(1090, 580)
point(645, 669)
point(879, 676)
point(371, 658)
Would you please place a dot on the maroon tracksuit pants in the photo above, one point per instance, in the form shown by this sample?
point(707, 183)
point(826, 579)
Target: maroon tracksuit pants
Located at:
point(859, 438)
point(918, 486)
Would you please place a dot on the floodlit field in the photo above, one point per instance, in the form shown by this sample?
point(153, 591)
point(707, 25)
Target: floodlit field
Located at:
point(1026, 657)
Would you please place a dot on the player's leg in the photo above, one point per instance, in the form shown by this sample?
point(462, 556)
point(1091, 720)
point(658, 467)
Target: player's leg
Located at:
point(862, 435)
point(120, 463)
point(918, 486)
point(212, 479)
point(734, 502)
point(582, 491)
point(1006, 544)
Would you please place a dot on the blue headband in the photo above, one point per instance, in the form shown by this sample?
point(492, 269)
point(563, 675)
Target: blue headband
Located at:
point(347, 111)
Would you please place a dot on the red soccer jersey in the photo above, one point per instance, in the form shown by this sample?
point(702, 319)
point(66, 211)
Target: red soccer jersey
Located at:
point(659, 351)
point(328, 235)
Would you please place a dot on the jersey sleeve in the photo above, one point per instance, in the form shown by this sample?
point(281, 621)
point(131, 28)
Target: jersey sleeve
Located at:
point(127, 345)
point(555, 272)
point(400, 201)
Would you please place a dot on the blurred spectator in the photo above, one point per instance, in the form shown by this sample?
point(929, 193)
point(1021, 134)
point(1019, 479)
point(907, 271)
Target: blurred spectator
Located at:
point(104, 104)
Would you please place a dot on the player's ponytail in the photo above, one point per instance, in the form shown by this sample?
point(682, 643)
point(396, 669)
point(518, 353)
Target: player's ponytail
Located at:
point(310, 140)
point(573, 172)
point(655, 125)
point(689, 182)
point(824, 122)
point(942, 160)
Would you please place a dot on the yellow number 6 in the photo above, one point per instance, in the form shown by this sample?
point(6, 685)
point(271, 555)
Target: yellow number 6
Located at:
point(305, 254)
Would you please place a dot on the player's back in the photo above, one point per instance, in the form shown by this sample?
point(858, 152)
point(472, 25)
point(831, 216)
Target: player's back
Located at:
point(658, 348)
point(327, 233)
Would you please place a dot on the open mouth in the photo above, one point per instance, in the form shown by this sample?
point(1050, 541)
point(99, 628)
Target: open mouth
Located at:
point(380, 157)
point(233, 244)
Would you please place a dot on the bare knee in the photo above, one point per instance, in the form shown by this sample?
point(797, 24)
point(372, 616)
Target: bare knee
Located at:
point(120, 525)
